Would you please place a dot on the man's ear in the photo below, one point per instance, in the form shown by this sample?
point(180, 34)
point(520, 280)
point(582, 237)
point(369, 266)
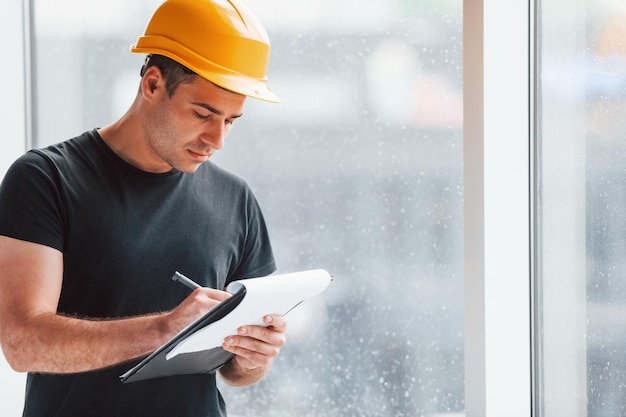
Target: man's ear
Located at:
point(151, 82)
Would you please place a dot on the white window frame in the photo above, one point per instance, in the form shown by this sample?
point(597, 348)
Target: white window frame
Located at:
point(498, 151)
point(498, 136)
point(13, 32)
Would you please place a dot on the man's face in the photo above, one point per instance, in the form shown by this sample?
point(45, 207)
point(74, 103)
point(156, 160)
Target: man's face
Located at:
point(184, 130)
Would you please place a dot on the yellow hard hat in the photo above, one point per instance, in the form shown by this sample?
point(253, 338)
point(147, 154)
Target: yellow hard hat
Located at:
point(220, 40)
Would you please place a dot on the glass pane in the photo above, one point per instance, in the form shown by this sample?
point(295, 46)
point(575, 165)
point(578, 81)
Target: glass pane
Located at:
point(359, 171)
point(582, 195)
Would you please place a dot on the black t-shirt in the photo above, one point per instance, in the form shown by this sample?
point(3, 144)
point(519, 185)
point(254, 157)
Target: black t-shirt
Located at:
point(123, 232)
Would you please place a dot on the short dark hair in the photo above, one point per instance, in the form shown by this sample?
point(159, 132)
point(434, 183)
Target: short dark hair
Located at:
point(173, 72)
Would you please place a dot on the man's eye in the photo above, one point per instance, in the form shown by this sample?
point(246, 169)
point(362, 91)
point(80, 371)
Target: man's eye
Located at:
point(202, 116)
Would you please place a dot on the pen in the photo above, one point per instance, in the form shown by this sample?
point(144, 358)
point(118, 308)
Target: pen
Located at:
point(183, 279)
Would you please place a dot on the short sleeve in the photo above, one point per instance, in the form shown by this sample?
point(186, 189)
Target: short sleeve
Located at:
point(30, 202)
point(257, 258)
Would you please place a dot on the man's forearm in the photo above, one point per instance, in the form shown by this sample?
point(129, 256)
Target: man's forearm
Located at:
point(52, 343)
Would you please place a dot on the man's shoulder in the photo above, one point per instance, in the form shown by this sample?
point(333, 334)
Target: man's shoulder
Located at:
point(86, 141)
point(70, 154)
point(223, 175)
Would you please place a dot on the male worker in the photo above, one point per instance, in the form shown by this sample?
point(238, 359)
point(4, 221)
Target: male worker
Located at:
point(92, 230)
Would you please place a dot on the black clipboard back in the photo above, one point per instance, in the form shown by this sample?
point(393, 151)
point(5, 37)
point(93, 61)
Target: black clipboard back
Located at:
point(156, 365)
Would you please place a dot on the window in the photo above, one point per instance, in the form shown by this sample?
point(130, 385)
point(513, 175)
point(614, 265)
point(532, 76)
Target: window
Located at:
point(581, 200)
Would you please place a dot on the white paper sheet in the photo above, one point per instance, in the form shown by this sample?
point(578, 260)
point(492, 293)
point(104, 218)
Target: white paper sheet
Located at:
point(276, 294)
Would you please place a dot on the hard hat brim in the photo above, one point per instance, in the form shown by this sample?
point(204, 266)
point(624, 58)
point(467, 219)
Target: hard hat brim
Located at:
point(229, 80)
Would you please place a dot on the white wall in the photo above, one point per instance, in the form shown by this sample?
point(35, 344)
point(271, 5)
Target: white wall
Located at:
point(12, 144)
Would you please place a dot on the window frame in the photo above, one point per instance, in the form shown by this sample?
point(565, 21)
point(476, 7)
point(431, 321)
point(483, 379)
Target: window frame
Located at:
point(15, 32)
point(498, 60)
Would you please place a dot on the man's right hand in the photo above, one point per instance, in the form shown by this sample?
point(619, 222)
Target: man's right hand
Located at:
point(199, 302)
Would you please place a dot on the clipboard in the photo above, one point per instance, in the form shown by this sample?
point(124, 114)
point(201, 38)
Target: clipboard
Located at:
point(197, 348)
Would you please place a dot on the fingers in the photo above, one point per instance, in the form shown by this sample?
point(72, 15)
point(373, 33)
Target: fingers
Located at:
point(256, 346)
point(196, 304)
point(212, 293)
point(204, 299)
point(277, 322)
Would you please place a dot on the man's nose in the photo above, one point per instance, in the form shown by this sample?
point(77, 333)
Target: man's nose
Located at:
point(215, 134)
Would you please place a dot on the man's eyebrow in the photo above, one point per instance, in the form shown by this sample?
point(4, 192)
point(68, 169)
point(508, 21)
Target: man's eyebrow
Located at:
point(216, 111)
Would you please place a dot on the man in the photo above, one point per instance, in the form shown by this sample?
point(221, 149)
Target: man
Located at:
point(92, 229)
